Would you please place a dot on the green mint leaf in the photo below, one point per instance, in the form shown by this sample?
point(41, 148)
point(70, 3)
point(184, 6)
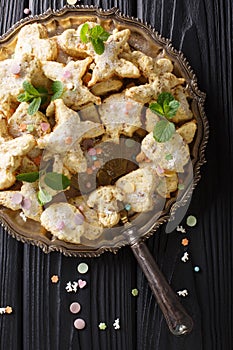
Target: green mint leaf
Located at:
point(43, 196)
point(173, 107)
point(57, 88)
point(168, 157)
point(104, 36)
point(156, 108)
point(98, 46)
point(84, 33)
point(96, 31)
point(28, 177)
point(165, 97)
point(56, 181)
point(29, 88)
point(22, 98)
point(34, 105)
point(163, 130)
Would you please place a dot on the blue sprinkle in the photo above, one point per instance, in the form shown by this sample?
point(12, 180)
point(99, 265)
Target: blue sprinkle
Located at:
point(94, 158)
point(127, 207)
point(196, 268)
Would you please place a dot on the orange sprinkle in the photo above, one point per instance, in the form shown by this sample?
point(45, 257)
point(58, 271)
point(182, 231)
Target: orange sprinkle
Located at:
point(97, 164)
point(37, 160)
point(68, 140)
point(87, 78)
point(23, 127)
point(54, 279)
point(98, 150)
point(17, 76)
point(185, 242)
point(128, 106)
point(12, 110)
point(89, 171)
point(8, 309)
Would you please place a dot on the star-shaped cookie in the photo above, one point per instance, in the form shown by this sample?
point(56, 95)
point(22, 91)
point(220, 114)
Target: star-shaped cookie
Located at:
point(75, 93)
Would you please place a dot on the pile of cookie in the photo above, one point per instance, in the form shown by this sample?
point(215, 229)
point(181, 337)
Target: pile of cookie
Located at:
point(105, 98)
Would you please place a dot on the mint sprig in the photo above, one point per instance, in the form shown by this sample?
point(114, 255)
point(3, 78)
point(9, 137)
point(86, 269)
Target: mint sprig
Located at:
point(54, 180)
point(96, 36)
point(165, 107)
point(39, 96)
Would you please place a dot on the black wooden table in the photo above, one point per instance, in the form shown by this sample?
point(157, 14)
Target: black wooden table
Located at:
point(41, 319)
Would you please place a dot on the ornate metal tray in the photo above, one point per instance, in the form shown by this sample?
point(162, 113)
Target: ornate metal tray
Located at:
point(143, 38)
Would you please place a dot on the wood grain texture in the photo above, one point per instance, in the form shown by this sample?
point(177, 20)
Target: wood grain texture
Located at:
point(202, 30)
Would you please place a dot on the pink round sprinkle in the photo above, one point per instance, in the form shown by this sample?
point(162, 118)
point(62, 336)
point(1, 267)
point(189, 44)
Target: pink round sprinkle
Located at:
point(17, 198)
point(26, 203)
point(60, 225)
point(15, 68)
point(79, 323)
point(88, 185)
point(160, 170)
point(67, 74)
point(92, 152)
point(78, 219)
point(44, 126)
point(26, 11)
point(75, 308)
point(80, 207)
point(93, 167)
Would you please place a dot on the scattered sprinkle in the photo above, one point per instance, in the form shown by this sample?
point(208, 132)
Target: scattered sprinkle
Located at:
point(180, 186)
point(54, 279)
point(67, 74)
point(185, 257)
point(44, 126)
point(26, 11)
point(185, 242)
point(23, 216)
point(15, 68)
point(182, 293)
point(196, 268)
point(127, 207)
point(23, 127)
point(97, 164)
point(75, 308)
point(135, 292)
point(89, 171)
point(26, 203)
point(92, 151)
point(72, 287)
point(82, 268)
point(82, 283)
point(191, 221)
point(30, 128)
point(116, 324)
point(102, 326)
point(6, 310)
point(180, 229)
point(79, 219)
point(68, 140)
point(98, 150)
point(88, 185)
point(79, 323)
point(94, 158)
point(129, 143)
point(60, 225)
point(17, 198)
